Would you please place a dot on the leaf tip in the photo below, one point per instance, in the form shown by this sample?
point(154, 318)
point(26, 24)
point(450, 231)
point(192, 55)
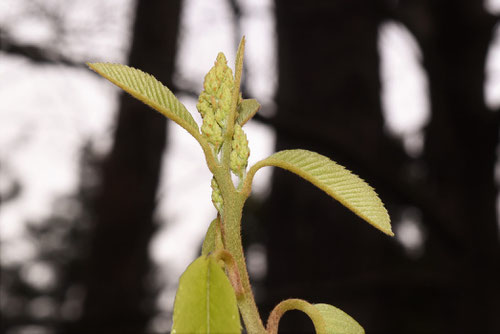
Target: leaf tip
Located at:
point(96, 67)
point(91, 65)
point(383, 224)
point(386, 226)
point(241, 50)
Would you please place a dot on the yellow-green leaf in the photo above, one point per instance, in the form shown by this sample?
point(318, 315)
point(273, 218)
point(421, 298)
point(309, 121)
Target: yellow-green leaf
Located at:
point(335, 180)
point(247, 109)
point(213, 238)
point(152, 92)
point(337, 321)
point(205, 301)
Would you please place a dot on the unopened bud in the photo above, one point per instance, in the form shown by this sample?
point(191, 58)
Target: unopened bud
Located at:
point(240, 151)
point(215, 101)
point(216, 196)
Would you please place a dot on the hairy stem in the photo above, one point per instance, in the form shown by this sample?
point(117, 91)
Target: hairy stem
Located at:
point(231, 223)
point(232, 210)
point(231, 270)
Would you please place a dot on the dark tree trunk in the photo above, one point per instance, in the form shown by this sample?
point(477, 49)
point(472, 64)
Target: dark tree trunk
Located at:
point(119, 261)
point(328, 101)
point(459, 155)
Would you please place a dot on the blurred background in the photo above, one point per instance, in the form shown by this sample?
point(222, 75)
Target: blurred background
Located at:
point(103, 203)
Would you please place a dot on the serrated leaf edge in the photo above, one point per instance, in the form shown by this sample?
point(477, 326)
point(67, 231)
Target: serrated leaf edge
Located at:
point(181, 116)
point(339, 184)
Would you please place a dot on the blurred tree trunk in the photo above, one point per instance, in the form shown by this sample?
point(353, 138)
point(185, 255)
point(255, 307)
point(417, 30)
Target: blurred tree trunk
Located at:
point(460, 155)
point(119, 262)
point(328, 101)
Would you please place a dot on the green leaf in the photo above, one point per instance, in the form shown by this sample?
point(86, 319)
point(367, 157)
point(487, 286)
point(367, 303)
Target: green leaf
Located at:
point(152, 92)
point(295, 304)
point(238, 70)
point(337, 321)
point(213, 238)
point(247, 109)
point(205, 300)
point(335, 180)
point(327, 319)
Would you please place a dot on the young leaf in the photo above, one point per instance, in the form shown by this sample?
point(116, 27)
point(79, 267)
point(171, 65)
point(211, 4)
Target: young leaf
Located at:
point(238, 70)
point(326, 318)
point(213, 238)
point(335, 180)
point(247, 109)
point(146, 88)
point(205, 300)
point(296, 304)
point(337, 321)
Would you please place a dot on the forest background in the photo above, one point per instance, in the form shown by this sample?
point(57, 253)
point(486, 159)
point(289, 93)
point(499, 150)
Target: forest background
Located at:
point(103, 203)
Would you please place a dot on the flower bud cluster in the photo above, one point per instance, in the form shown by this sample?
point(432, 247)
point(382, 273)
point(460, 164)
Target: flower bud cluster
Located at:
point(239, 152)
point(214, 103)
point(214, 106)
point(216, 196)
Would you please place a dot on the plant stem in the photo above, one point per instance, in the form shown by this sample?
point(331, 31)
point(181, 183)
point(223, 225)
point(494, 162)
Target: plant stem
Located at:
point(233, 207)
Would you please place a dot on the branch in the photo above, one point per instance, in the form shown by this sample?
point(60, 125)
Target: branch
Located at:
point(35, 53)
